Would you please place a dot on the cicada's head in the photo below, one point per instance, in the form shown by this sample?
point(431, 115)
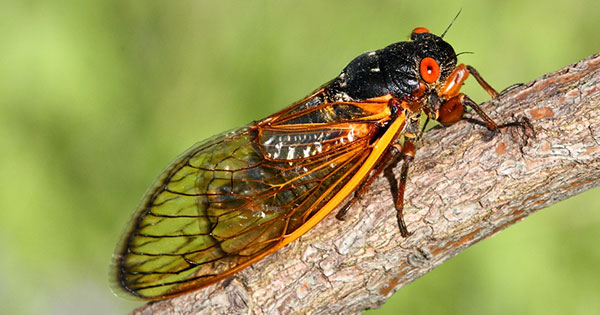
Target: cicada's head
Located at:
point(434, 61)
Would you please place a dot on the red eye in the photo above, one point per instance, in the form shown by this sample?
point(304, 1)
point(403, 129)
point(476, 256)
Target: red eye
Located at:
point(430, 70)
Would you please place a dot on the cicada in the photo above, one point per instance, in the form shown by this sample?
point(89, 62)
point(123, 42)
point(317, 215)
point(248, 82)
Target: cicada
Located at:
point(239, 196)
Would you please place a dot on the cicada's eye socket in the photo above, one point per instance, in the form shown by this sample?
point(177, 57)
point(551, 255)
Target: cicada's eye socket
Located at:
point(430, 70)
point(418, 30)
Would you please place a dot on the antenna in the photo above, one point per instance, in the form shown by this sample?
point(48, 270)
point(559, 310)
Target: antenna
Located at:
point(464, 52)
point(452, 22)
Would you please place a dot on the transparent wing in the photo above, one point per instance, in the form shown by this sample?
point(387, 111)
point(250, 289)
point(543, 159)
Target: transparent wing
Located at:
point(221, 204)
point(229, 201)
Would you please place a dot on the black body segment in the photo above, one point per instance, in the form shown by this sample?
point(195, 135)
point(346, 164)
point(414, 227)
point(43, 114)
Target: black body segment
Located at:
point(393, 70)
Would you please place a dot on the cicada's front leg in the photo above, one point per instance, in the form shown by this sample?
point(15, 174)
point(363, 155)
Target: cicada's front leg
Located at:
point(454, 102)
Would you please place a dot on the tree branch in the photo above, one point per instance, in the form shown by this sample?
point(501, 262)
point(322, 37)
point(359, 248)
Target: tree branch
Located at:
point(463, 187)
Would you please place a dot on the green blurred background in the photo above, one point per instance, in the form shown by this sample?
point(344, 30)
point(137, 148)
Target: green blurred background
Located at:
point(96, 97)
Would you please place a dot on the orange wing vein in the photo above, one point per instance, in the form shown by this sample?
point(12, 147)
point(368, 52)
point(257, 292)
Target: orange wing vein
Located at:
point(231, 200)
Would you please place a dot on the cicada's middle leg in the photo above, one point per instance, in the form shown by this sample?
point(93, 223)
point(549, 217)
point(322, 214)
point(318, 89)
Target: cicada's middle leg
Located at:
point(407, 154)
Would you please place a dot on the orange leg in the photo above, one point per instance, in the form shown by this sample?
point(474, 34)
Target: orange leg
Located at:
point(454, 102)
point(388, 156)
point(396, 153)
point(407, 154)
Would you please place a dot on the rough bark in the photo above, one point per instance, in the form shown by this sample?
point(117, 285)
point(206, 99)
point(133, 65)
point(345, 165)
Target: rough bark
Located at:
point(464, 186)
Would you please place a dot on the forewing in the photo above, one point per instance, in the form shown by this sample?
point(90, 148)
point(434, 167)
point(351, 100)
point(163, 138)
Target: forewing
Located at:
point(230, 200)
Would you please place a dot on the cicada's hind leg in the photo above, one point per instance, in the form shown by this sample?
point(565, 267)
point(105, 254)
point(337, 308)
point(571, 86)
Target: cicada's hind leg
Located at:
point(394, 155)
point(388, 158)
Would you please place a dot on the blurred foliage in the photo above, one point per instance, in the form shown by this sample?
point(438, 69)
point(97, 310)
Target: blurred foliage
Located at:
point(97, 96)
